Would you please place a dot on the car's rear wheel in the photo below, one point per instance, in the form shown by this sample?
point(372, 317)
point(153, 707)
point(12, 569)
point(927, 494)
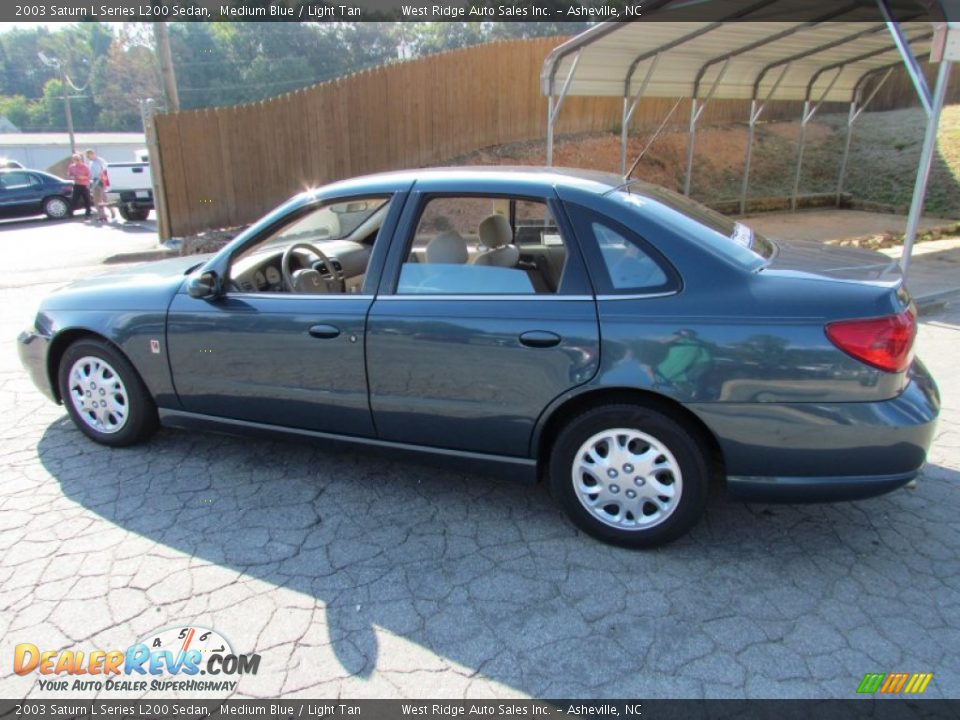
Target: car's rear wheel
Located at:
point(104, 395)
point(56, 207)
point(630, 475)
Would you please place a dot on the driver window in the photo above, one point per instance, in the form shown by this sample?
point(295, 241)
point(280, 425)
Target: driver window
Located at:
point(324, 250)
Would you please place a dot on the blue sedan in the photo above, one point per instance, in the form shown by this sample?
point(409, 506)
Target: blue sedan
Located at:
point(625, 344)
point(30, 192)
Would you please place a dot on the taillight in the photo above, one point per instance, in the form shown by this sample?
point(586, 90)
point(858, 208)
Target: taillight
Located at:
point(66, 189)
point(885, 343)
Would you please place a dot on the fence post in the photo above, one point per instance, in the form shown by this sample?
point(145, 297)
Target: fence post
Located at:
point(148, 111)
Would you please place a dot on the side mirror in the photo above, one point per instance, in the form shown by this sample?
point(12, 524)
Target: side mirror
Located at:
point(204, 286)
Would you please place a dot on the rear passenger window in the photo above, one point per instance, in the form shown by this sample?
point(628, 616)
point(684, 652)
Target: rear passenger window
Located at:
point(15, 180)
point(484, 246)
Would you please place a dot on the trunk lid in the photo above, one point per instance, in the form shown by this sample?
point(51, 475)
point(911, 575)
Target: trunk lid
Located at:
point(831, 261)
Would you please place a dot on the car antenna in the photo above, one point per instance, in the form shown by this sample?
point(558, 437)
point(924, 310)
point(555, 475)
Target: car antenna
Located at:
point(627, 180)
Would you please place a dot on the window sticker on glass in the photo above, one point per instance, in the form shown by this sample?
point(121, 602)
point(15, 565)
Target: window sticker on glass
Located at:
point(742, 235)
point(552, 239)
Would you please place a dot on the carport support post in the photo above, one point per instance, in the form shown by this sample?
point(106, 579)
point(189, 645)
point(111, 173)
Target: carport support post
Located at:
point(624, 124)
point(803, 141)
point(855, 112)
point(550, 130)
point(690, 141)
point(926, 163)
point(553, 107)
point(629, 107)
point(755, 113)
point(808, 113)
point(746, 161)
point(851, 118)
point(696, 110)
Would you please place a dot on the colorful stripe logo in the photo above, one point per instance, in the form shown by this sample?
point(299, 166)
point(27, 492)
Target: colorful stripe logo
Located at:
point(894, 683)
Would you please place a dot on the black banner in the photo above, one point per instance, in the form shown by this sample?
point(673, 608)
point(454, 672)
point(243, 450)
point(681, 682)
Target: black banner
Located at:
point(877, 709)
point(467, 10)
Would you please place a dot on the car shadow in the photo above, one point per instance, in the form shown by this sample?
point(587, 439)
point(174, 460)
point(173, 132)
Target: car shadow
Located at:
point(488, 574)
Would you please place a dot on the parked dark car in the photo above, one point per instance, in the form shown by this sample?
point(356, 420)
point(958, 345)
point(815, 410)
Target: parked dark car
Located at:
point(623, 342)
point(30, 192)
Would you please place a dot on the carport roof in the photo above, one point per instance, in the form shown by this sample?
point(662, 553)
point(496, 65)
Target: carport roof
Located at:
point(812, 50)
point(823, 57)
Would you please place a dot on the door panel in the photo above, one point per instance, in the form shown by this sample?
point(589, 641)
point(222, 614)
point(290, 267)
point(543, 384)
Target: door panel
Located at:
point(277, 358)
point(454, 372)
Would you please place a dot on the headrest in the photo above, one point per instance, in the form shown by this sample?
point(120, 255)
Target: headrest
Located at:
point(495, 231)
point(449, 248)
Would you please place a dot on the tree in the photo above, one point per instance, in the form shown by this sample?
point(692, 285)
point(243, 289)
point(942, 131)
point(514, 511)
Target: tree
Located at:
point(121, 80)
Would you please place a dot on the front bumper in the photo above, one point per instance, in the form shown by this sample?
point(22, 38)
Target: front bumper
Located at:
point(32, 347)
point(821, 452)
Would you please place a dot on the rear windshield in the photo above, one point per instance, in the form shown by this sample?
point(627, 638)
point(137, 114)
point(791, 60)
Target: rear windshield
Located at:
point(727, 236)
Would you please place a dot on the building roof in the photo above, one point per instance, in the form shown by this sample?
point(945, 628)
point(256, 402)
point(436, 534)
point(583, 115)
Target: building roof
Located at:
point(82, 139)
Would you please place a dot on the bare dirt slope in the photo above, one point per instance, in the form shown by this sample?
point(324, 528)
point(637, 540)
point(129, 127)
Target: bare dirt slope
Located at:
point(883, 161)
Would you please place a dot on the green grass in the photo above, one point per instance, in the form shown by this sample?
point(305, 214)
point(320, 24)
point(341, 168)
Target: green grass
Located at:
point(882, 168)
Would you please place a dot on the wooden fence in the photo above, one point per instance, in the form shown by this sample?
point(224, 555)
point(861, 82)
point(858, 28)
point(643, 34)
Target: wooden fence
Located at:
point(226, 166)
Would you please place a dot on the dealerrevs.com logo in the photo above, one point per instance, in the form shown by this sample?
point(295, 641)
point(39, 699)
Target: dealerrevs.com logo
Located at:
point(174, 659)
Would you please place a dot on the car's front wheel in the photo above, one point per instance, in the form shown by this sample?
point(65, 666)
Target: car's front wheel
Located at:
point(630, 475)
point(56, 207)
point(104, 395)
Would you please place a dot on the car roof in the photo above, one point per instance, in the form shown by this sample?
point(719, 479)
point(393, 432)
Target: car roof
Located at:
point(529, 176)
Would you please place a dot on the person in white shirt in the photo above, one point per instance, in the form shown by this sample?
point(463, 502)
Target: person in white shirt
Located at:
point(98, 171)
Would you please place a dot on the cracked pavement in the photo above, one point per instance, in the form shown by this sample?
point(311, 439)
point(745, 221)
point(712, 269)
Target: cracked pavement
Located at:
point(354, 575)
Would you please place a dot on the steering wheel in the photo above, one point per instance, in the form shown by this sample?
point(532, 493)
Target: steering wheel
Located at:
point(332, 273)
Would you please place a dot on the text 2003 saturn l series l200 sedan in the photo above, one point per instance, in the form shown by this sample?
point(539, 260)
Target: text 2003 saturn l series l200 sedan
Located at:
point(620, 340)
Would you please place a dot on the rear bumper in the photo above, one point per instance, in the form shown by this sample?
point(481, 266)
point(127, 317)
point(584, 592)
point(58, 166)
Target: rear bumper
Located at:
point(814, 489)
point(821, 452)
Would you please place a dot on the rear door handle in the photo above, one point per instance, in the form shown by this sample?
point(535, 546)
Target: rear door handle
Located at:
point(324, 331)
point(540, 339)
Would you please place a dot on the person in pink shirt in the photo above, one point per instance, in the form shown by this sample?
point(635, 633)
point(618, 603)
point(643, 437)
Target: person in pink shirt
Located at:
point(78, 171)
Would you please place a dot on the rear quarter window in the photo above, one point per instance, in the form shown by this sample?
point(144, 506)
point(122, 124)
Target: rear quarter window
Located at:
point(621, 261)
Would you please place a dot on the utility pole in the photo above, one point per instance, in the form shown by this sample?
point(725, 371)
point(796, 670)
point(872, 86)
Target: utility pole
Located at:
point(65, 89)
point(66, 105)
point(166, 66)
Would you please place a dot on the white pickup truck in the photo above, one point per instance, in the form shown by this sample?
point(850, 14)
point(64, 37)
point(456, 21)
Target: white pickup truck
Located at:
point(131, 187)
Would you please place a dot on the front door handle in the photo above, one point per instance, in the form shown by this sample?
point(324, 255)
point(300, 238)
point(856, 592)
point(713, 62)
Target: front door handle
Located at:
point(324, 331)
point(540, 339)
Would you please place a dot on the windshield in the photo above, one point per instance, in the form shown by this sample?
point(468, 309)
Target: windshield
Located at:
point(329, 222)
point(731, 238)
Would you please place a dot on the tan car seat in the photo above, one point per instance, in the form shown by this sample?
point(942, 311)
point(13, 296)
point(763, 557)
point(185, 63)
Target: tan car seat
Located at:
point(497, 235)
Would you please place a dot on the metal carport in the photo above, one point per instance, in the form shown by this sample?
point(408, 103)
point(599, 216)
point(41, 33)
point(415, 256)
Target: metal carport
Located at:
point(762, 50)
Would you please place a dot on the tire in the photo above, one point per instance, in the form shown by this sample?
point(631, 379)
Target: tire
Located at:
point(655, 492)
point(134, 214)
point(125, 414)
point(57, 207)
